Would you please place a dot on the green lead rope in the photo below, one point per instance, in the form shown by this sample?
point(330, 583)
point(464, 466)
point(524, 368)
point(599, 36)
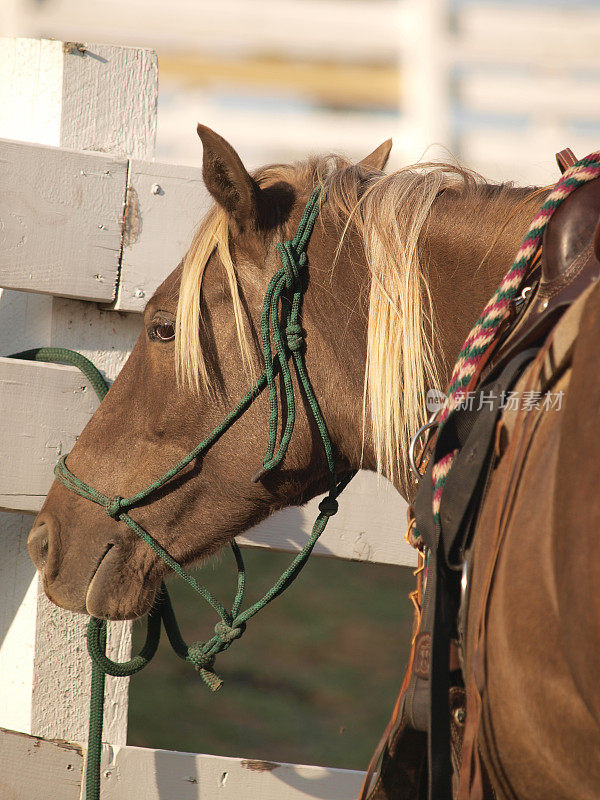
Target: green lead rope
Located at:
point(287, 335)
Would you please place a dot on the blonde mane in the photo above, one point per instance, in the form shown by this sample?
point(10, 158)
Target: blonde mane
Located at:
point(389, 213)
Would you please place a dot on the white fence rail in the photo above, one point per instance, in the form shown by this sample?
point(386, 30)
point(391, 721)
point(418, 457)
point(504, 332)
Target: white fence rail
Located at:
point(69, 231)
point(35, 768)
point(61, 218)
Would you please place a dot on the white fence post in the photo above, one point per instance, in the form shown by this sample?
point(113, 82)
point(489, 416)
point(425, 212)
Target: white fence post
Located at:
point(424, 80)
point(91, 98)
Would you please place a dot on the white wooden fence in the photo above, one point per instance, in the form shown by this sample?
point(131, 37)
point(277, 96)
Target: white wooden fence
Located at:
point(85, 238)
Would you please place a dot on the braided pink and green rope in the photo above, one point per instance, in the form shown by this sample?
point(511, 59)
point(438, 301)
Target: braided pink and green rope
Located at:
point(485, 329)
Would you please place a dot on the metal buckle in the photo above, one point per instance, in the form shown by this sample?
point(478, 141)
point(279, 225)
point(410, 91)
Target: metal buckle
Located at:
point(464, 582)
point(411, 450)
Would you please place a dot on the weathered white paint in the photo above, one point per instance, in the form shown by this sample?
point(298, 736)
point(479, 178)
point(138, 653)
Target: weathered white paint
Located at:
point(109, 99)
point(109, 104)
point(24, 321)
point(44, 667)
point(160, 774)
point(43, 408)
point(103, 336)
point(165, 204)
point(101, 97)
point(44, 404)
point(31, 89)
point(33, 769)
point(61, 220)
point(64, 232)
point(63, 673)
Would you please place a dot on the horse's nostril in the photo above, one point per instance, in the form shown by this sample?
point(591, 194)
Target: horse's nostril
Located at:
point(37, 544)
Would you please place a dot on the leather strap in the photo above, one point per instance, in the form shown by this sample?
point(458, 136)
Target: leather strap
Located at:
point(472, 431)
point(565, 159)
point(470, 779)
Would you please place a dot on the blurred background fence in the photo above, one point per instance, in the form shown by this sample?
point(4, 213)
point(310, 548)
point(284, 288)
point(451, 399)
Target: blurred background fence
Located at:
point(502, 85)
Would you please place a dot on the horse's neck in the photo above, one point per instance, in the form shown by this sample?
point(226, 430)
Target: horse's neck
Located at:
point(461, 276)
point(461, 270)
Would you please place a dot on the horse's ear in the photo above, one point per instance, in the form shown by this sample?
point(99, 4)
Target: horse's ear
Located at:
point(226, 178)
point(378, 158)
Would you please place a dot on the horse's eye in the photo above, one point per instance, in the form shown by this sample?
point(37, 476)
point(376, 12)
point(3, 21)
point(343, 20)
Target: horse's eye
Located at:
point(163, 331)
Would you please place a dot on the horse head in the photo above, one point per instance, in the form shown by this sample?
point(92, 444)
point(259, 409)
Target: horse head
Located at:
point(367, 330)
point(198, 353)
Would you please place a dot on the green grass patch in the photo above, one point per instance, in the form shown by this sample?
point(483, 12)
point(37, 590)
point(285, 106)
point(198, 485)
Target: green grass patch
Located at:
point(313, 680)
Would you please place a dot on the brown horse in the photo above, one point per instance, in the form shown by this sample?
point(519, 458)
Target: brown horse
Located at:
point(398, 268)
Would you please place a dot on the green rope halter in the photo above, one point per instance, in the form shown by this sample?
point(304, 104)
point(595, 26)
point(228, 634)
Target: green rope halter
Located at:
point(284, 328)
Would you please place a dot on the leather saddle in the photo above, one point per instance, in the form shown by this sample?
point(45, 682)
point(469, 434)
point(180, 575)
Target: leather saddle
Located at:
point(570, 263)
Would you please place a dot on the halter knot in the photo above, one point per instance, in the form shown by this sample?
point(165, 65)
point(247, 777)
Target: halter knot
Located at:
point(292, 260)
point(328, 506)
point(227, 633)
point(294, 336)
point(113, 506)
point(199, 658)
